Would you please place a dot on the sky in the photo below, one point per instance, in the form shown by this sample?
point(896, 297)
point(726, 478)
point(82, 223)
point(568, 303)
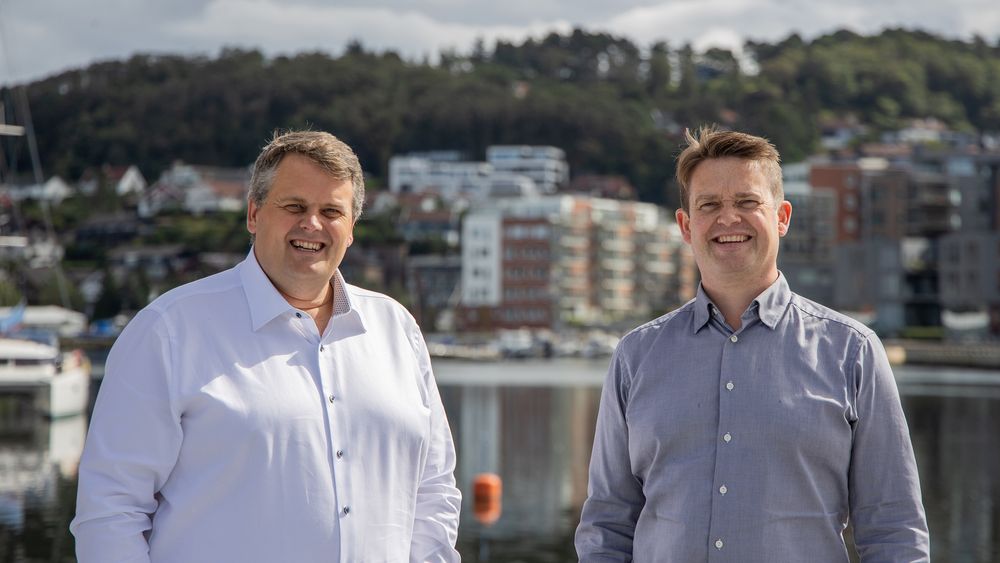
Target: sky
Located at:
point(39, 38)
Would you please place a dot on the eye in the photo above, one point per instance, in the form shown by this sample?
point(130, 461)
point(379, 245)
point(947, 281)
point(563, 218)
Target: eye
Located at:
point(294, 208)
point(332, 213)
point(748, 204)
point(708, 206)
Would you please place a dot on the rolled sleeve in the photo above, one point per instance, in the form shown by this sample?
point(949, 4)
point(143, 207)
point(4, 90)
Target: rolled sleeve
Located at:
point(614, 495)
point(886, 508)
point(131, 447)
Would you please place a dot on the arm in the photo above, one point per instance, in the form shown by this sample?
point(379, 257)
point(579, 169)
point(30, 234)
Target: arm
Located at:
point(435, 525)
point(615, 497)
point(132, 444)
point(886, 508)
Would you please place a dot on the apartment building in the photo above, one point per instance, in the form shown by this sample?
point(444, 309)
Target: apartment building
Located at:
point(442, 172)
point(806, 257)
point(558, 260)
point(545, 165)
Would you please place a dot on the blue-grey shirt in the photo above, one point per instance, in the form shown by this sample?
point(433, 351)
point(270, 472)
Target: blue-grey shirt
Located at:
point(754, 445)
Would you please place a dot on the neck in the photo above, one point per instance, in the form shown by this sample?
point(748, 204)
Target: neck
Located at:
point(319, 306)
point(733, 296)
point(323, 298)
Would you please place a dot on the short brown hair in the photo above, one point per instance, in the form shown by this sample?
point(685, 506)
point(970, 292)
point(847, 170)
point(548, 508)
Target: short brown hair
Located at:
point(711, 143)
point(329, 152)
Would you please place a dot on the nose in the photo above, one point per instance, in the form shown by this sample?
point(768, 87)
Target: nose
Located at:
point(729, 215)
point(310, 222)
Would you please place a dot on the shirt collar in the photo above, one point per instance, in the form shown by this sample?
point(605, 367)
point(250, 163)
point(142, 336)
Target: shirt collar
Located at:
point(770, 304)
point(702, 309)
point(773, 301)
point(266, 303)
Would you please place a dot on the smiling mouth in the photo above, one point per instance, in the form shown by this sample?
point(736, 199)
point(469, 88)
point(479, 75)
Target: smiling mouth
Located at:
point(307, 245)
point(726, 239)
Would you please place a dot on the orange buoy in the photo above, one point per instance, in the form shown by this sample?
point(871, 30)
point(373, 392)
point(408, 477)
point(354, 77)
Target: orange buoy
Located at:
point(487, 491)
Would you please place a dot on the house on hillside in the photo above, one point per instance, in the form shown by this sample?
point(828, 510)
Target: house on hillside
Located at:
point(197, 190)
point(54, 191)
point(125, 180)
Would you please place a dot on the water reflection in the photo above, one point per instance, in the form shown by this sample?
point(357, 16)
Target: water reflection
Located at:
point(536, 433)
point(532, 423)
point(955, 439)
point(38, 466)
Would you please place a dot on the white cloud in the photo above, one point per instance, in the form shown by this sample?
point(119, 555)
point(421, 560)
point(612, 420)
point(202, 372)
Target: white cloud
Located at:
point(287, 28)
point(41, 37)
point(721, 22)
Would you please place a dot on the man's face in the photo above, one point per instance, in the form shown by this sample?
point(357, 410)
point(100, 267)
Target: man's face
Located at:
point(733, 224)
point(303, 227)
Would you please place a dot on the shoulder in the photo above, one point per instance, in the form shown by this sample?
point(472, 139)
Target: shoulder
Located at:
point(833, 319)
point(674, 320)
point(374, 303)
point(639, 338)
point(198, 297)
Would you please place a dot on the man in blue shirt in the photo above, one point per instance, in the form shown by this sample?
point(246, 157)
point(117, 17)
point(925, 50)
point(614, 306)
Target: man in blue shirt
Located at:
point(751, 424)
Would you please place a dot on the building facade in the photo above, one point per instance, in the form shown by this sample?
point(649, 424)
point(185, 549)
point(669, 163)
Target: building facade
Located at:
point(569, 260)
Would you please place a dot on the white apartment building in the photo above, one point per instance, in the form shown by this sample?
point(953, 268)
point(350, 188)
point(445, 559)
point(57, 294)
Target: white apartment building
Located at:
point(545, 165)
point(510, 171)
point(450, 178)
point(547, 261)
point(481, 259)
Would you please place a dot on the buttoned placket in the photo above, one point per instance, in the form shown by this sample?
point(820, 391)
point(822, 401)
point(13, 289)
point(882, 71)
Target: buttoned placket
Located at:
point(333, 401)
point(727, 436)
point(336, 417)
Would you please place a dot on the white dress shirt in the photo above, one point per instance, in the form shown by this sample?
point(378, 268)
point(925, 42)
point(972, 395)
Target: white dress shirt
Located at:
point(228, 429)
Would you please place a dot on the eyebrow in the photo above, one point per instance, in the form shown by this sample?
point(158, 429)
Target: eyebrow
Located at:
point(298, 199)
point(738, 195)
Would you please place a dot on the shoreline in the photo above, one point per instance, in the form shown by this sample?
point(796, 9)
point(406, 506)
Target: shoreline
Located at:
point(950, 354)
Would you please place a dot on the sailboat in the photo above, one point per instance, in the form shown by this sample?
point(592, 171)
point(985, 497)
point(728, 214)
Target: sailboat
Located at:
point(56, 383)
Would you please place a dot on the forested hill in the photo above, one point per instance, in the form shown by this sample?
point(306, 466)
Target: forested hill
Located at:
point(613, 106)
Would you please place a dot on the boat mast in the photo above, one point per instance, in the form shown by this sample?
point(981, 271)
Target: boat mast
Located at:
point(28, 131)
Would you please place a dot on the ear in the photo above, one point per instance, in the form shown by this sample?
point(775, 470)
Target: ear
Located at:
point(784, 217)
point(252, 217)
point(684, 222)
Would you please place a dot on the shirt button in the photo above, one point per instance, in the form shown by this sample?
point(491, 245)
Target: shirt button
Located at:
point(727, 437)
point(299, 315)
point(729, 385)
point(321, 348)
point(723, 489)
point(347, 510)
point(340, 454)
point(718, 544)
point(733, 339)
point(331, 398)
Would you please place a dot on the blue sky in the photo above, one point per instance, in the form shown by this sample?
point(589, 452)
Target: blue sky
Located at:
point(42, 37)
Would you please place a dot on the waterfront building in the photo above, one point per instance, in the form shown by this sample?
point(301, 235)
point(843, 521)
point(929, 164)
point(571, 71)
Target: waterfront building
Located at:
point(562, 260)
point(913, 236)
point(432, 282)
point(806, 257)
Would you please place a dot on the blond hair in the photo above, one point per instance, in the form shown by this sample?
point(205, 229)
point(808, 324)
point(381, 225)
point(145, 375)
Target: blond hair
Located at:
point(709, 143)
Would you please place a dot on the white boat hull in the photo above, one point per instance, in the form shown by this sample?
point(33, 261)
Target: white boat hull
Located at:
point(57, 385)
point(67, 394)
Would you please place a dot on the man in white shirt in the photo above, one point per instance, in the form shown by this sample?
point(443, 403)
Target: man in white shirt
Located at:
point(272, 412)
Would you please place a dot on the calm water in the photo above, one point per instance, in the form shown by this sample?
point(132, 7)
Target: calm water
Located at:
point(532, 422)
